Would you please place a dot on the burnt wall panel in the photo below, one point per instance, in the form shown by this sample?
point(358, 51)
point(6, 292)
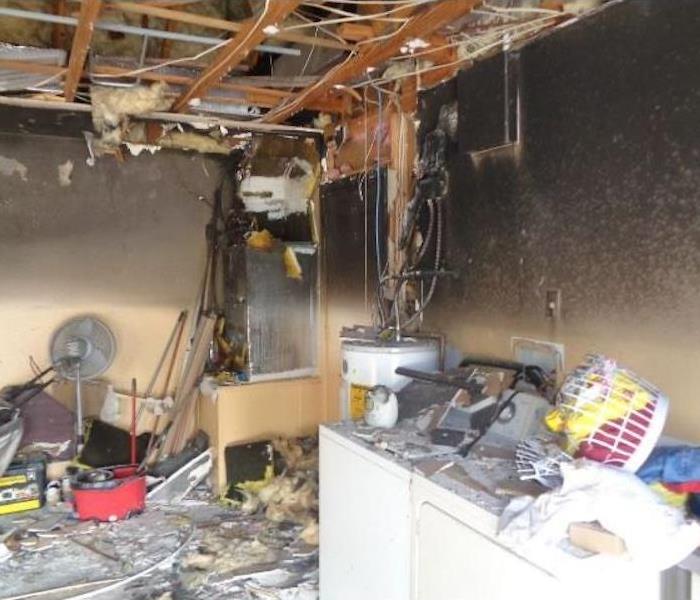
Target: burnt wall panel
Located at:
point(348, 209)
point(122, 241)
point(601, 202)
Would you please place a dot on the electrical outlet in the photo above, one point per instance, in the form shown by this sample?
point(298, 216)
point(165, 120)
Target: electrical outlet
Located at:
point(552, 304)
point(543, 353)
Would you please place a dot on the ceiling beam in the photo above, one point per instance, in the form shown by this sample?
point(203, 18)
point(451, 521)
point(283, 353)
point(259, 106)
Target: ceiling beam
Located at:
point(248, 94)
point(89, 11)
point(236, 49)
point(222, 24)
point(31, 67)
point(420, 25)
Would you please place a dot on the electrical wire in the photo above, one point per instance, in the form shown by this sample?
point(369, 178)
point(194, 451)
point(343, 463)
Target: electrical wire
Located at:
point(438, 259)
point(363, 186)
point(472, 56)
point(164, 64)
point(295, 102)
point(523, 9)
point(197, 56)
point(364, 202)
point(367, 2)
point(429, 234)
point(311, 53)
point(377, 205)
point(377, 16)
point(325, 30)
point(338, 21)
point(492, 32)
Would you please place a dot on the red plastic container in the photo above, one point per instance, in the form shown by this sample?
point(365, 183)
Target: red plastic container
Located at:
point(125, 497)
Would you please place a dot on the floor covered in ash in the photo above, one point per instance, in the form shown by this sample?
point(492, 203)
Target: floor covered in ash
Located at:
point(194, 550)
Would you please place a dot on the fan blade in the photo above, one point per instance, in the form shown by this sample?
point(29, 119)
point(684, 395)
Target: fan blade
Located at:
point(95, 363)
point(81, 327)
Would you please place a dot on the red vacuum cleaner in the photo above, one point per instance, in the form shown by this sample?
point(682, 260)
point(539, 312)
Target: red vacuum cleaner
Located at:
point(113, 493)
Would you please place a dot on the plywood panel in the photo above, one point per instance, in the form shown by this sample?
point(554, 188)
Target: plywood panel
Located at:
point(259, 411)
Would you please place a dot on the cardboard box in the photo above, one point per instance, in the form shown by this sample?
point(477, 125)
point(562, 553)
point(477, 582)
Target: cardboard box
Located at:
point(592, 537)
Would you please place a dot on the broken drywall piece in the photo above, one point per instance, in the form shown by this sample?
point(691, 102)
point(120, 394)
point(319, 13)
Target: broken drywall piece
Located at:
point(279, 196)
point(10, 166)
point(135, 136)
point(89, 142)
point(65, 170)
point(178, 485)
point(137, 149)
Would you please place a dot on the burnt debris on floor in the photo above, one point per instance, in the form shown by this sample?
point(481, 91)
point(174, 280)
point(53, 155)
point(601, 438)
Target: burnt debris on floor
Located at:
point(185, 543)
point(195, 550)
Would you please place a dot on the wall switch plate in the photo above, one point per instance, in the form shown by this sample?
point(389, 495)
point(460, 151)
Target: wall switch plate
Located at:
point(552, 304)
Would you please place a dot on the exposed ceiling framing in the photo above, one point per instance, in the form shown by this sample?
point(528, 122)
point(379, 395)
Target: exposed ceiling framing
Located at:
point(89, 11)
point(289, 56)
point(237, 49)
point(421, 24)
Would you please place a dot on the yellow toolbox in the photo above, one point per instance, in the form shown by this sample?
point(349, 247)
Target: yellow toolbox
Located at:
point(22, 485)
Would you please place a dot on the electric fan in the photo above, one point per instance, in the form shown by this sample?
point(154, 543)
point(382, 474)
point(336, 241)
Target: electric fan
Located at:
point(609, 414)
point(81, 349)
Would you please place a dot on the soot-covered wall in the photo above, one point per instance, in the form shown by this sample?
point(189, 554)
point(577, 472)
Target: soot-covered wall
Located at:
point(349, 274)
point(122, 241)
point(603, 202)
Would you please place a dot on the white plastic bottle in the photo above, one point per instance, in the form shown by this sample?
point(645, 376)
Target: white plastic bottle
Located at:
point(110, 406)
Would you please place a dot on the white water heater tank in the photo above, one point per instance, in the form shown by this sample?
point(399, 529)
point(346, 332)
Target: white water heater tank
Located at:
point(369, 363)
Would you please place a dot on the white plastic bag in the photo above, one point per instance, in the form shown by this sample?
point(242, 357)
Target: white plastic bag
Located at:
point(656, 534)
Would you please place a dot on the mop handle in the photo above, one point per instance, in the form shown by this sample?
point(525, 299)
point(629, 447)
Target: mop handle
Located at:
point(133, 421)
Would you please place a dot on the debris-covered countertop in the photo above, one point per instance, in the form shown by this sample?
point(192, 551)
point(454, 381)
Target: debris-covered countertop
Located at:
point(194, 550)
point(486, 476)
point(487, 479)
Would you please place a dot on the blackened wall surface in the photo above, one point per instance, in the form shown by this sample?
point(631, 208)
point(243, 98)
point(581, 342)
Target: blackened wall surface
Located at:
point(348, 222)
point(122, 241)
point(348, 210)
point(602, 202)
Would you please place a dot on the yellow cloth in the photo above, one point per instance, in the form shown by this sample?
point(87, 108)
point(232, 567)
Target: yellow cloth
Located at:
point(580, 415)
point(677, 499)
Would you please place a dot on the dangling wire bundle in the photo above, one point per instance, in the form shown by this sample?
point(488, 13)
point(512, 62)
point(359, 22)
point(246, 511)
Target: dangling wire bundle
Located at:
point(430, 191)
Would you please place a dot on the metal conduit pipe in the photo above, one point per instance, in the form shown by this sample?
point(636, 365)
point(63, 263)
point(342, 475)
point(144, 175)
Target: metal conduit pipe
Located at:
point(132, 30)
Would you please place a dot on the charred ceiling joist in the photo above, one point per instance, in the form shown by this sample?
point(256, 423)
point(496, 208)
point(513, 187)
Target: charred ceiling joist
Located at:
point(286, 58)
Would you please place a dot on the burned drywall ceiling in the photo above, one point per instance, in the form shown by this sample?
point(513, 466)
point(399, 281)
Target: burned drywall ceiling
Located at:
point(36, 121)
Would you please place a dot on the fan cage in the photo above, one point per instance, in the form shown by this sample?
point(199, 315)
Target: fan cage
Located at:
point(99, 340)
point(610, 414)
